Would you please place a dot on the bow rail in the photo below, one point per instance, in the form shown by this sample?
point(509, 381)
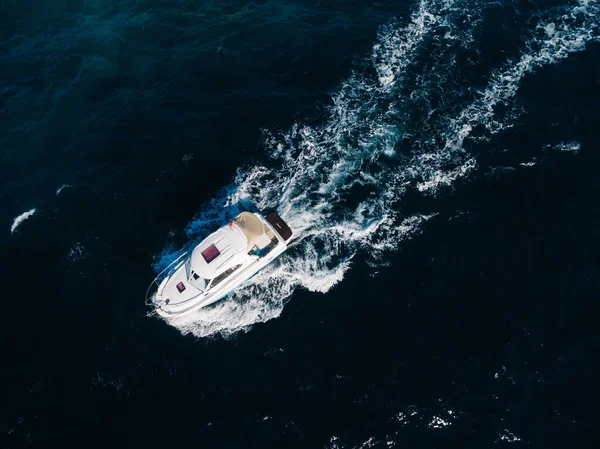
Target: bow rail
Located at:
point(155, 284)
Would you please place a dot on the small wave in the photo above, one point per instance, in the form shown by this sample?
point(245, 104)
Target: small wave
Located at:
point(76, 252)
point(572, 147)
point(438, 423)
point(61, 188)
point(508, 436)
point(20, 219)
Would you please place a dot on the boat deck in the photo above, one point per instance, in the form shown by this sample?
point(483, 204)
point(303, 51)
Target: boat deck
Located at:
point(172, 293)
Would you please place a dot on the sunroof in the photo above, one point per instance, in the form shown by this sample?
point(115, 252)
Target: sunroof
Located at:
point(210, 253)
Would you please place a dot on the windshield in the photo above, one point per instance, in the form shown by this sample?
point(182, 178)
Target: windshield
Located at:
point(195, 279)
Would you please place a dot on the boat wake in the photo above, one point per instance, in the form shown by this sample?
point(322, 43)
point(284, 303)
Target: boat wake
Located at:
point(400, 125)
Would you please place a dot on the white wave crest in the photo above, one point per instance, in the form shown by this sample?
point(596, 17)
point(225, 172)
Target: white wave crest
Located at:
point(508, 436)
point(572, 147)
point(20, 219)
point(61, 188)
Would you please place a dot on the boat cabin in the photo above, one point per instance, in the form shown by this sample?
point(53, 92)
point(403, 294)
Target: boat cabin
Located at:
point(246, 239)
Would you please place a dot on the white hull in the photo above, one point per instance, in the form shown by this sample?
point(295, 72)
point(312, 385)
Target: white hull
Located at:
point(231, 256)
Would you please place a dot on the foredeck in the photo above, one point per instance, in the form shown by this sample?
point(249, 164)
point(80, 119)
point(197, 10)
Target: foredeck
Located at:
point(173, 294)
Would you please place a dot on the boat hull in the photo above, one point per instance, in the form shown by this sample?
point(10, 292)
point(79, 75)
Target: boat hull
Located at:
point(205, 301)
point(220, 264)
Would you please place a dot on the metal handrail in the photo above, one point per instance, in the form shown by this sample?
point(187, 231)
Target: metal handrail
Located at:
point(155, 281)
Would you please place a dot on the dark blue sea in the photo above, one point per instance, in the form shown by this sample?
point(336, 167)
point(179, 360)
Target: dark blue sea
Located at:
point(438, 161)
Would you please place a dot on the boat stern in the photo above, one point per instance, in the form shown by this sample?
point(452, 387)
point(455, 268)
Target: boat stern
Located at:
point(279, 226)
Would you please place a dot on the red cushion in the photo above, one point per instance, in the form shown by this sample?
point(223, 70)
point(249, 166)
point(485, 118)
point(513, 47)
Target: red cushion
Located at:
point(210, 253)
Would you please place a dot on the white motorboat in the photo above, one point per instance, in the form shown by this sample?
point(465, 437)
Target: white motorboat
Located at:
point(219, 264)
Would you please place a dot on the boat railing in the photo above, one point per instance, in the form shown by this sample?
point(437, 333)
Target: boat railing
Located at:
point(159, 278)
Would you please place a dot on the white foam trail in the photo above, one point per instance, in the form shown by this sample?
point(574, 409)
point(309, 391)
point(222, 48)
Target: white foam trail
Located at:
point(20, 219)
point(339, 184)
point(395, 48)
point(554, 41)
point(439, 177)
